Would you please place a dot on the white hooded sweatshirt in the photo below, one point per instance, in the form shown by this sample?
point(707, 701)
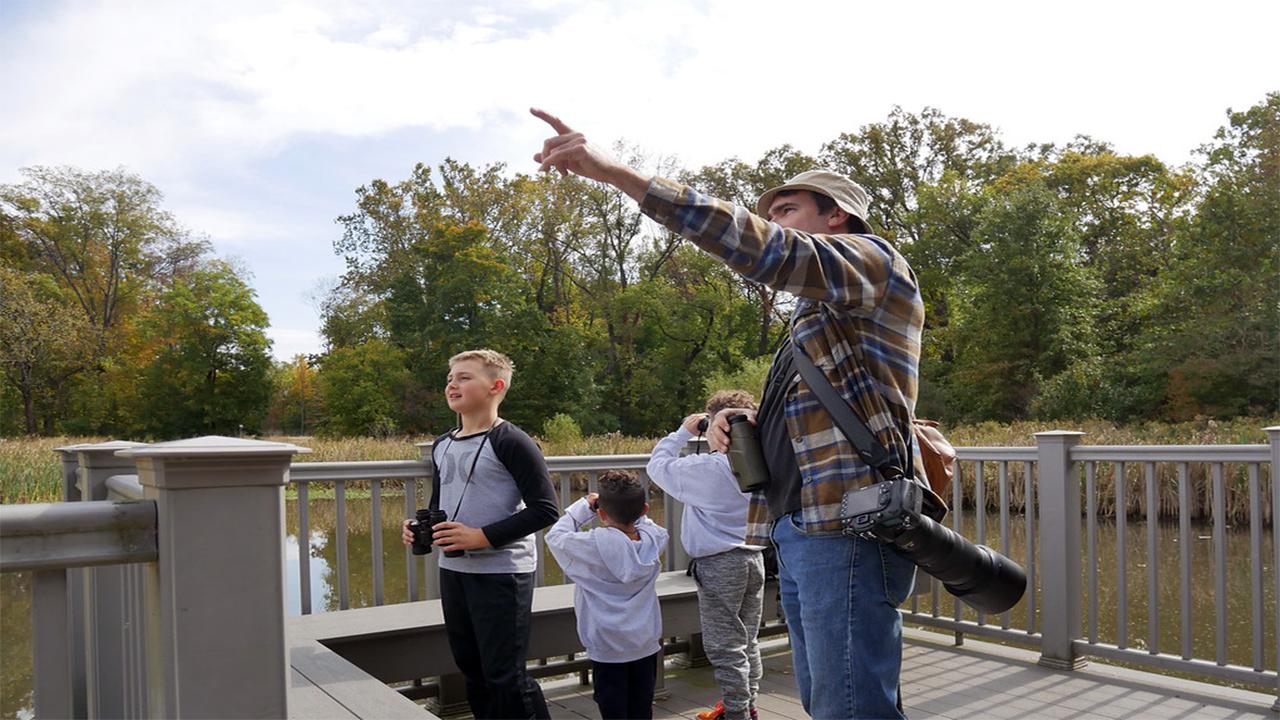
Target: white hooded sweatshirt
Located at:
point(615, 601)
point(715, 510)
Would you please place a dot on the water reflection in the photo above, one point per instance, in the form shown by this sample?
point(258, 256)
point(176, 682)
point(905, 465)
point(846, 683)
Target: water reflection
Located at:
point(15, 645)
point(319, 572)
point(1239, 624)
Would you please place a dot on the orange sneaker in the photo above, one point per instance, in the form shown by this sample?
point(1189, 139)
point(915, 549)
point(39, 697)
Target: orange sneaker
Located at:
point(715, 713)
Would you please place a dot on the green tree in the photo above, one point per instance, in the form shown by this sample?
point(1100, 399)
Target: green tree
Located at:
point(1211, 327)
point(1025, 302)
point(296, 406)
point(211, 368)
point(43, 342)
point(742, 184)
point(925, 173)
point(364, 388)
point(102, 235)
point(103, 240)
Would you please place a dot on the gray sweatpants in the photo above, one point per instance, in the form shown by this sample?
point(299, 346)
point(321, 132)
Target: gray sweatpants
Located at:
point(730, 597)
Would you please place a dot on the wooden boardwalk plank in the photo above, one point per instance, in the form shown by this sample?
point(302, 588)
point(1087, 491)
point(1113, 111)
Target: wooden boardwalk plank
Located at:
point(346, 686)
point(307, 700)
point(978, 680)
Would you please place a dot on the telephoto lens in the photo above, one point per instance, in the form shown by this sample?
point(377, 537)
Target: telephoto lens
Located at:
point(978, 575)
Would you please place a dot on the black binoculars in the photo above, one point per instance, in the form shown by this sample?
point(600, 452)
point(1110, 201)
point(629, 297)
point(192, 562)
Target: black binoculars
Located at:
point(746, 458)
point(424, 521)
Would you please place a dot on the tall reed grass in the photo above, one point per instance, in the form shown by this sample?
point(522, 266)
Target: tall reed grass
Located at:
point(29, 467)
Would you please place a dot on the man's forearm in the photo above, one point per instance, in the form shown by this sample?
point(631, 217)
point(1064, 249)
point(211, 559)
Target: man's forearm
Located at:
point(626, 179)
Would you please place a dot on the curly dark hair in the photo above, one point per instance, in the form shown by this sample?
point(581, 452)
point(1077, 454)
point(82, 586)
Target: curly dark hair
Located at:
point(621, 495)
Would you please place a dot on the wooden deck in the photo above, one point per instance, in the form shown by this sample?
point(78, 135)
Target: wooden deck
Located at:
point(341, 664)
point(978, 680)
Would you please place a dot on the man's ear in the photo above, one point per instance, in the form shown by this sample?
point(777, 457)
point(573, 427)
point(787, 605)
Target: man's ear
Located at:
point(838, 219)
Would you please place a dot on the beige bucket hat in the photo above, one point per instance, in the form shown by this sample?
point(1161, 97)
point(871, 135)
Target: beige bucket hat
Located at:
point(848, 195)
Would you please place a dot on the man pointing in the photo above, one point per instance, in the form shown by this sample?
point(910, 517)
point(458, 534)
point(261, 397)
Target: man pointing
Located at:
point(859, 317)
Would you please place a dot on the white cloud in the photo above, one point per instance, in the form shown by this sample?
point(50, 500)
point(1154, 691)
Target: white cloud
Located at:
point(207, 99)
point(161, 86)
point(228, 227)
point(286, 343)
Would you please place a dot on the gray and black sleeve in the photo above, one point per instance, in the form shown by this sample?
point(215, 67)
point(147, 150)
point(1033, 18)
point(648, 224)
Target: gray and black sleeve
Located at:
point(522, 458)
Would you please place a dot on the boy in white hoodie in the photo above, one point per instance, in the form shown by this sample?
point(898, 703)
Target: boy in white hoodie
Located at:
point(729, 572)
point(615, 568)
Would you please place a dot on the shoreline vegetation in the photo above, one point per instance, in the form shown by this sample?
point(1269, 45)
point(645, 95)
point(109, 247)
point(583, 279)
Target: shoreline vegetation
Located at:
point(29, 467)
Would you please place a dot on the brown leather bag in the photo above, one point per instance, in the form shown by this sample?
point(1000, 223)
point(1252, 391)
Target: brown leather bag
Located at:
point(937, 454)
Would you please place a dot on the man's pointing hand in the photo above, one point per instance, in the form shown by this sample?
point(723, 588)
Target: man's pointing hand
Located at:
point(569, 152)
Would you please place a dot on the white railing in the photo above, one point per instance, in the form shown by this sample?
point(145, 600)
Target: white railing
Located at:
point(414, 479)
point(1047, 494)
point(147, 584)
point(1148, 649)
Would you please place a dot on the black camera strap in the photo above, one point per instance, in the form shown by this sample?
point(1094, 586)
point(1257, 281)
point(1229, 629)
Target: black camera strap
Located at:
point(869, 448)
point(435, 492)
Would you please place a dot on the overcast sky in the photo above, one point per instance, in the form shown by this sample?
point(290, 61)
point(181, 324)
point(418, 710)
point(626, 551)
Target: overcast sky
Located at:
point(258, 120)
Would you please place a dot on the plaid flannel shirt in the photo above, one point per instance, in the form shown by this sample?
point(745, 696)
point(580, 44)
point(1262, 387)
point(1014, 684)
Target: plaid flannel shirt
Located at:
point(859, 316)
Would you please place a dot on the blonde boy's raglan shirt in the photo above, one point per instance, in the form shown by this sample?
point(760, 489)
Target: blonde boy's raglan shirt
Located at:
point(509, 496)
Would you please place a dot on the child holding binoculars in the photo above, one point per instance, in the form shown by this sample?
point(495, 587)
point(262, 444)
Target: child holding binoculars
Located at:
point(728, 571)
point(490, 493)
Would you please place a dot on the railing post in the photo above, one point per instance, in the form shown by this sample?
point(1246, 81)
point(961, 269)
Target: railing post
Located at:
point(215, 599)
point(1273, 437)
point(1059, 549)
point(54, 654)
point(70, 466)
point(102, 591)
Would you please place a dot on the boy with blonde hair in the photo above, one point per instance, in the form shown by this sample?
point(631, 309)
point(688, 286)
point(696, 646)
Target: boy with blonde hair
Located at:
point(729, 571)
point(492, 481)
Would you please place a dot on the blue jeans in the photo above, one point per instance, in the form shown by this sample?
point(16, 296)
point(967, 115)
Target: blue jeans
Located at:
point(841, 598)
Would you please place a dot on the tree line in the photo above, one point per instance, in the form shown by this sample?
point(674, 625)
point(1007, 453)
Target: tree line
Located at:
point(1060, 281)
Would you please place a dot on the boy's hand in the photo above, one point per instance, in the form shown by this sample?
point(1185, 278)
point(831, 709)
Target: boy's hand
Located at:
point(593, 501)
point(456, 536)
point(691, 423)
point(718, 432)
point(406, 534)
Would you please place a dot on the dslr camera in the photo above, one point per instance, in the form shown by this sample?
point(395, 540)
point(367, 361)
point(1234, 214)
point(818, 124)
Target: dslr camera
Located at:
point(900, 513)
point(424, 521)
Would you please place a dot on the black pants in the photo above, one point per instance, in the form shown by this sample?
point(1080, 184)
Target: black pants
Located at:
point(624, 691)
point(488, 619)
